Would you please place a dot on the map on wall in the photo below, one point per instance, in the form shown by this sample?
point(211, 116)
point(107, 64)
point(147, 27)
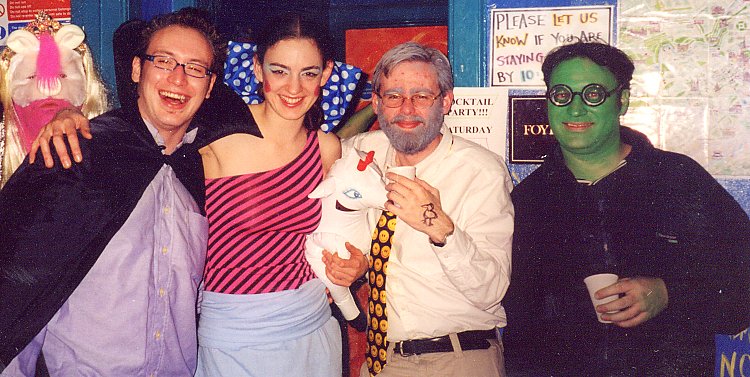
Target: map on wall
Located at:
point(691, 88)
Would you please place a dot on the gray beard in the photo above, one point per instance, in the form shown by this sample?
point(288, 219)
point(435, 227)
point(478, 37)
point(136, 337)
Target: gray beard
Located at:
point(415, 140)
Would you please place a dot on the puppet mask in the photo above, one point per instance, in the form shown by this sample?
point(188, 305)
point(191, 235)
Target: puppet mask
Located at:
point(47, 75)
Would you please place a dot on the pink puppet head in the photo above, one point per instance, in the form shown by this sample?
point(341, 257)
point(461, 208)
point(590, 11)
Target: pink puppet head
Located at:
point(44, 67)
point(46, 74)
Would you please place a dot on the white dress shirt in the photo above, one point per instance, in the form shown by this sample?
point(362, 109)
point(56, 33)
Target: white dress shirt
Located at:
point(433, 291)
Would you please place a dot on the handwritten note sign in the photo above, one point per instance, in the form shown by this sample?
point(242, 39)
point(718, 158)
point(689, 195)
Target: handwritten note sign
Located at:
point(480, 115)
point(521, 38)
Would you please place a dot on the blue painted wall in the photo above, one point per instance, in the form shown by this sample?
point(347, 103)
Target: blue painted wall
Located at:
point(100, 18)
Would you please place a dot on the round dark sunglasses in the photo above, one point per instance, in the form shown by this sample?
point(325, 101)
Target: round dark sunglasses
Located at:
point(592, 94)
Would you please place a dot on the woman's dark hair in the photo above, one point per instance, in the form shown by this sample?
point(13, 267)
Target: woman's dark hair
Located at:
point(296, 26)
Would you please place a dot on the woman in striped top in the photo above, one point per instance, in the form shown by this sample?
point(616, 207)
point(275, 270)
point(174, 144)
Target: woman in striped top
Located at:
point(263, 312)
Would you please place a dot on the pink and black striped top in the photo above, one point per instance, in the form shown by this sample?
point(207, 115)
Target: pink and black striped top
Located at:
point(257, 225)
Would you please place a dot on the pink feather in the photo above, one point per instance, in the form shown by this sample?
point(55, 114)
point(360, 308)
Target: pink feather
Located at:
point(48, 65)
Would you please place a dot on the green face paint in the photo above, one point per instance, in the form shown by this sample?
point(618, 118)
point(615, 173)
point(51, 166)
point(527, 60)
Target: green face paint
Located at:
point(588, 133)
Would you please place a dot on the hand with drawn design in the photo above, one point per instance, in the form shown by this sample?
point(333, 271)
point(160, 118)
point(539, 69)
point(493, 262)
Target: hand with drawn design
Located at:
point(417, 203)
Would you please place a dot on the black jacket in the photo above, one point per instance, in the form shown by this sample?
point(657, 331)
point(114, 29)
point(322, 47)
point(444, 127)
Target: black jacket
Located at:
point(661, 215)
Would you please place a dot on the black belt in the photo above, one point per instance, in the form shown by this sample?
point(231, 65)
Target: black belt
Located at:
point(469, 340)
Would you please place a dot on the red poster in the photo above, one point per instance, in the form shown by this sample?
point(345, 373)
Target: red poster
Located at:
point(24, 10)
point(364, 47)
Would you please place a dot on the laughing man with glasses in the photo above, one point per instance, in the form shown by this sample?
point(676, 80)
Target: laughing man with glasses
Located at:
point(102, 262)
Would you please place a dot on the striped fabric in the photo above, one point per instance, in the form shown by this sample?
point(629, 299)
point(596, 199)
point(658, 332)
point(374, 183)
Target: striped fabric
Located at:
point(257, 226)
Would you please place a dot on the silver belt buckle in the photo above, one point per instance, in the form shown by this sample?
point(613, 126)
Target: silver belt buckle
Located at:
point(400, 346)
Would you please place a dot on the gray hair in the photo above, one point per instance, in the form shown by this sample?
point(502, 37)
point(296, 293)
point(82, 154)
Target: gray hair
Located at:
point(414, 52)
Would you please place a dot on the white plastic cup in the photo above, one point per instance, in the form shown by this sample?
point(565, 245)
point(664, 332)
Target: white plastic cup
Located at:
point(406, 171)
point(597, 282)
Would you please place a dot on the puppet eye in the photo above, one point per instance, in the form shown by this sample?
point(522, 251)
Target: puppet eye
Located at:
point(62, 75)
point(352, 194)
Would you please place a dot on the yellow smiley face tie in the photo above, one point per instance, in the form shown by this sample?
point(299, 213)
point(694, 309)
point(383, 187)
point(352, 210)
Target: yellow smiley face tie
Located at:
point(377, 339)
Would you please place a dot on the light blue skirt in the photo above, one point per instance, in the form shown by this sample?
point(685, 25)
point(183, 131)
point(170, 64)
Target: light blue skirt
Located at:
point(289, 333)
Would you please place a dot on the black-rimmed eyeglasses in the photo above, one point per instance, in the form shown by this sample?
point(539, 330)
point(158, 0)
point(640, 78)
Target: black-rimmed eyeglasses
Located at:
point(169, 63)
point(591, 94)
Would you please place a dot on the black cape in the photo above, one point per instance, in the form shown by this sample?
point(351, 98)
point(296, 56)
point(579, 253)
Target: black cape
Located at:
point(54, 223)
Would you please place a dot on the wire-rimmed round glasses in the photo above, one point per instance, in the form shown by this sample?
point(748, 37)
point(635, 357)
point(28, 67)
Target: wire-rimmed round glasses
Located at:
point(419, 100)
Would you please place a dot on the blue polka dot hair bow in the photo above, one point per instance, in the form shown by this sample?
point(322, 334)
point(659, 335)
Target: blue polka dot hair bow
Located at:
point(337, 93)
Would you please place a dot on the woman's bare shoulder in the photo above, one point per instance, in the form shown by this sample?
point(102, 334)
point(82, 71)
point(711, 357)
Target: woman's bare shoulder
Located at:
point(330, 148)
